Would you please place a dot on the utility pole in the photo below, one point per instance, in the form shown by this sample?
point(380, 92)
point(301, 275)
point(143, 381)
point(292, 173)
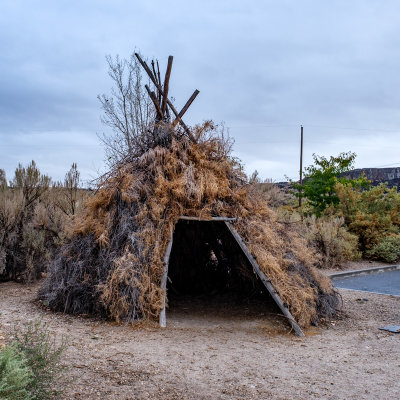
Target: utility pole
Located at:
point(301, 163)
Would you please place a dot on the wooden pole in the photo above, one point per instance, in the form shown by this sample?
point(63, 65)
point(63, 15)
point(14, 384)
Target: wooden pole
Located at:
point(301, 163)
point(155, 75)
point(166, 84)
point(185, 107)
point(158, 73)
point(184, 217)
point(155, 102)
point(163, 317)
point(147, 69)
point(171, 106)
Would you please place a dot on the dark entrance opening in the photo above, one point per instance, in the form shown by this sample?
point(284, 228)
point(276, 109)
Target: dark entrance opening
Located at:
point(208, 274)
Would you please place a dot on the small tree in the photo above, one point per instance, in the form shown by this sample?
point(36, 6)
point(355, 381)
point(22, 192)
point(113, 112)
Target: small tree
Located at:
point(321, 177)
point(3, 180)
point(128, 111)
point(71, 184)
point(32, 183)
point(67, 194)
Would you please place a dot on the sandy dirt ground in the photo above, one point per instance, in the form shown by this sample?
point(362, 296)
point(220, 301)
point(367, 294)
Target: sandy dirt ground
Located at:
point(229, 353)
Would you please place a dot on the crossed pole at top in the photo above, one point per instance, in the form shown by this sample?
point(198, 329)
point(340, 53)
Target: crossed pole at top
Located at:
point(161, 101)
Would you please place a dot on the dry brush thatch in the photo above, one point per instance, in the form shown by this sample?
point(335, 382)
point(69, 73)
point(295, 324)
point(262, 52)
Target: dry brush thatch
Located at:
point(113, 263)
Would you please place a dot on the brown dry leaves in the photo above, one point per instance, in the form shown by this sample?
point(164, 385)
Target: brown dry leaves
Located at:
point(194, 180)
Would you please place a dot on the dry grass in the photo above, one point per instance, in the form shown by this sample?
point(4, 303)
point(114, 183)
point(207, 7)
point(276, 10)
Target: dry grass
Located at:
point(114, 262)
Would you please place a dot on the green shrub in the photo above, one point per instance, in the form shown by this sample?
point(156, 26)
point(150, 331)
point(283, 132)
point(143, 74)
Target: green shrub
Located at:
point(321, 178)
point(374, 216)
point(388, 249)
point(15, 375)
point(42, 356)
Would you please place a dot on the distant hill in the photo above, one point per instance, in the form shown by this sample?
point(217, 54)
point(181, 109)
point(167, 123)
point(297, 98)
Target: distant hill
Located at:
point(378, 175)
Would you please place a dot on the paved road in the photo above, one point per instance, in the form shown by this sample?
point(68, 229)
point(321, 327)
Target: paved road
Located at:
point(387, 282)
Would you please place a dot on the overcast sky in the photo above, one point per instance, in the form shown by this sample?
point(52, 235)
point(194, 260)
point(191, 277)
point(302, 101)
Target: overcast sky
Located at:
point(262, 67)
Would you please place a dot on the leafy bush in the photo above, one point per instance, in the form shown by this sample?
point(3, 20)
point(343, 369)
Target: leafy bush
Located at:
point(371, 215)
point(388, 249)
point(331, 239)
point(320, 179)
point(15, 375)
point(42, 356)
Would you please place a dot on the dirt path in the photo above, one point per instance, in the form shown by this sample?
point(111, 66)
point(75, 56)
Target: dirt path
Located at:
point(252, 356)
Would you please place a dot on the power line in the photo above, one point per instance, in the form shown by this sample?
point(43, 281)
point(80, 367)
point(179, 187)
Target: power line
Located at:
point(387, 165)
point(261, 125)
point(355, 129)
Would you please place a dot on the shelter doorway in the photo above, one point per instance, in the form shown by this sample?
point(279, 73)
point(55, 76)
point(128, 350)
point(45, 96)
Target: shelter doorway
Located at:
point(208, 274)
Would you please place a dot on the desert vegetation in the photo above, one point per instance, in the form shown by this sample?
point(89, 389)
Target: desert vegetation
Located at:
point(30, 364)
point(343, 219)
point(103, 253)
point(35, 214)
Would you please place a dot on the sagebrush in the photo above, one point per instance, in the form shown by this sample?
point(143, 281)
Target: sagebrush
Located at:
point(15, 375)
point(387, 249)
point(34, 219)
point(31, 364)
point(332, 240)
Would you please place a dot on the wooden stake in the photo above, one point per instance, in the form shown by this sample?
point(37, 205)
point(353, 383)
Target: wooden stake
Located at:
point(171, 106)
point(158, 81)
point(166, 84)
point(163, 317)
point(155, 102)
point(159, 78)
point(147, 69)
point(301, 163)
point(184, 217)
point(185, 107)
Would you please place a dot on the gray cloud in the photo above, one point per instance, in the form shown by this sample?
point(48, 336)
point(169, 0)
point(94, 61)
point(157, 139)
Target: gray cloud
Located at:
point(263, 67)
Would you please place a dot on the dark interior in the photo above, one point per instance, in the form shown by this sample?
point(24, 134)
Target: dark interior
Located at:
point(207, 265)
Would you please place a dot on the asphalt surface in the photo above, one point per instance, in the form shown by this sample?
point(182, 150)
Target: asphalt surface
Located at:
point(387, 282)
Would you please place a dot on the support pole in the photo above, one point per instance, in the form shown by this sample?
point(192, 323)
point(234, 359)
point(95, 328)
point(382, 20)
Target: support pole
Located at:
point(185, 107)
point(166, 85)
point(163, 317)
point(264, 279)
point(155, 102)
point(301, 163)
